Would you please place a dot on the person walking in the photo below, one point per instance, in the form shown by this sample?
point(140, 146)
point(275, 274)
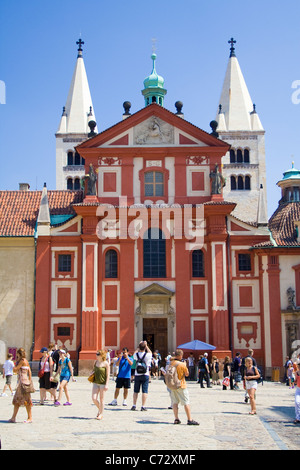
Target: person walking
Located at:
point(236, 370)
point(249, 355)
point(124, 377)
point(215, 371)
point(143, 357)
point(227, 374)
point(46, 372)
point(297, 395)
point(204, 371)
point(191, 366)
point(181, 395)
point(8, 370)
point(100, 385)
point(22, 397)
point(65, 370)
point(251, 376)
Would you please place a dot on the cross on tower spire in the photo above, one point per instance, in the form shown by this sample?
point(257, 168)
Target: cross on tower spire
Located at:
point(232, 48)
point(79, 43)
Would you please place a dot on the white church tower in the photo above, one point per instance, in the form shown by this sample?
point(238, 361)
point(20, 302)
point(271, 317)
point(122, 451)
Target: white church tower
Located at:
point(74, 128)
point(244, 166)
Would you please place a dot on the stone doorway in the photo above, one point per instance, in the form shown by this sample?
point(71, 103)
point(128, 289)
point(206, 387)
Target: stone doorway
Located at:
point(155, 332)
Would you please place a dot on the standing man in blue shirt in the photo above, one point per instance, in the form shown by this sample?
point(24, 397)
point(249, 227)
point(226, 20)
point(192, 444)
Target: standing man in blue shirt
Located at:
point(124, 376)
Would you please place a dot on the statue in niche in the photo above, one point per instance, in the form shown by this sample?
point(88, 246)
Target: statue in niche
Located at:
point(91, 178)
point(218, 181)
point(291, 299)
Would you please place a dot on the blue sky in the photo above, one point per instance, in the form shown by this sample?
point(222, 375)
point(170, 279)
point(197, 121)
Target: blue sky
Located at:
point(38, 54)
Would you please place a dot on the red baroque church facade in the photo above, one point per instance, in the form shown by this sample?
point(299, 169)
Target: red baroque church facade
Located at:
point(153, 250)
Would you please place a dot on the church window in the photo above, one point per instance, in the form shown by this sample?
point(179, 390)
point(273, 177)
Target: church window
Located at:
point(111, 264)
point(69, 183)
point(77, 183)
point(233, 183)
point(198, 263)
point(232, 156)
point(247, 182)
point(77, 159)
point(244, 262)
point(240, 183)
point(64, 263)
point(246, 156)
point(154, 245)
point(70, 158)
point(153, 99)
point(239, 156)
point(63, 331)
point(154, 183)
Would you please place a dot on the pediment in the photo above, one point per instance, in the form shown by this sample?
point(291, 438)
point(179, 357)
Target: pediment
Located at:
point(153, 126)
point(154, 290)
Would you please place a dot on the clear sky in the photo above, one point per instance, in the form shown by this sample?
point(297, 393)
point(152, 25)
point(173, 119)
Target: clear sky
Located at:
point(38, 53)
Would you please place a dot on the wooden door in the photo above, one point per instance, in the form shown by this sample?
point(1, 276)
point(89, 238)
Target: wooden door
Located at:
point(155, 332)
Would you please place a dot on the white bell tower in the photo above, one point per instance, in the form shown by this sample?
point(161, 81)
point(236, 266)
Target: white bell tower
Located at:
point(244, 166)
point(73, 128)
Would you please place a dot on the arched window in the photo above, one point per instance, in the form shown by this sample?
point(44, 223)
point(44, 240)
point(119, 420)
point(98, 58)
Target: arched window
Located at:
point(70, 158)
point(69, 183)
point(154, 245)
point(153, 99)
point(77, 183)
point(198, 263)
point(233, 183)
point(77, 158)
point(239, 156)
point(247, 182)
point(246, 156)
point(232, 156)
point(111, 264)
point(154, 183)
point(240, 183)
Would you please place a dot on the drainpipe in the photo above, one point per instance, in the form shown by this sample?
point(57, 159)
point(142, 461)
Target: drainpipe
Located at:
point(34, 299)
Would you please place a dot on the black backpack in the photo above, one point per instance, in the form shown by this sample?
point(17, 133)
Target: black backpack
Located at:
point(141, 366)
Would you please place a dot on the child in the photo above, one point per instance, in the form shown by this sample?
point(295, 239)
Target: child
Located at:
point(8, 367)
point(65, 370)
point(290, 375)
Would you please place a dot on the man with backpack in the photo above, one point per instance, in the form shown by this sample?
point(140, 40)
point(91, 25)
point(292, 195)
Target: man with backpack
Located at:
point(175, 381)
point(143, 358)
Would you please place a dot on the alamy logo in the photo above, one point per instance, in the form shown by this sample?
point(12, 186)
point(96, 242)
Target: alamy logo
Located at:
point(2, 92)
point(296, 93)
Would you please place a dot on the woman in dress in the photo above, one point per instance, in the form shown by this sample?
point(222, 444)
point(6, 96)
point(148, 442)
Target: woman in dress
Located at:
point(100, 384)
point(251, 375)
point(22, 398)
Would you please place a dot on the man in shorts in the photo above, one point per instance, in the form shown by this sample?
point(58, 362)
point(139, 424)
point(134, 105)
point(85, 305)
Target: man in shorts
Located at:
point(141, 379)
point(124, 364)
point(181, 395)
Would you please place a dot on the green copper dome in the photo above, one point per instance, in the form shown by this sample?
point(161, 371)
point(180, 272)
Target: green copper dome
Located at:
point(292, 173)
point(154, 91)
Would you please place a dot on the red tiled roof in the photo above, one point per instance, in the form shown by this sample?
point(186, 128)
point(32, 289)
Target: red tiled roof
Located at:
point(282, 224)
point(19, 209)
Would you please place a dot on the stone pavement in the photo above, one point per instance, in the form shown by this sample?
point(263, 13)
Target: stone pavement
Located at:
point(225, 423)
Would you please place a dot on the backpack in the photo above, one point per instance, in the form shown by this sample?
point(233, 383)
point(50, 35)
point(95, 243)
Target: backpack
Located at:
point(141, 367)
point(261, 379)
point(171, 378)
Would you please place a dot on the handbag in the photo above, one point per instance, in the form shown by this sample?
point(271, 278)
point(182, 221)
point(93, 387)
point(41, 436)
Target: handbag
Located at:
point(226, 381)
point(27, 387)
point(42, 371)
point(55, 377)
point(91, 378)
